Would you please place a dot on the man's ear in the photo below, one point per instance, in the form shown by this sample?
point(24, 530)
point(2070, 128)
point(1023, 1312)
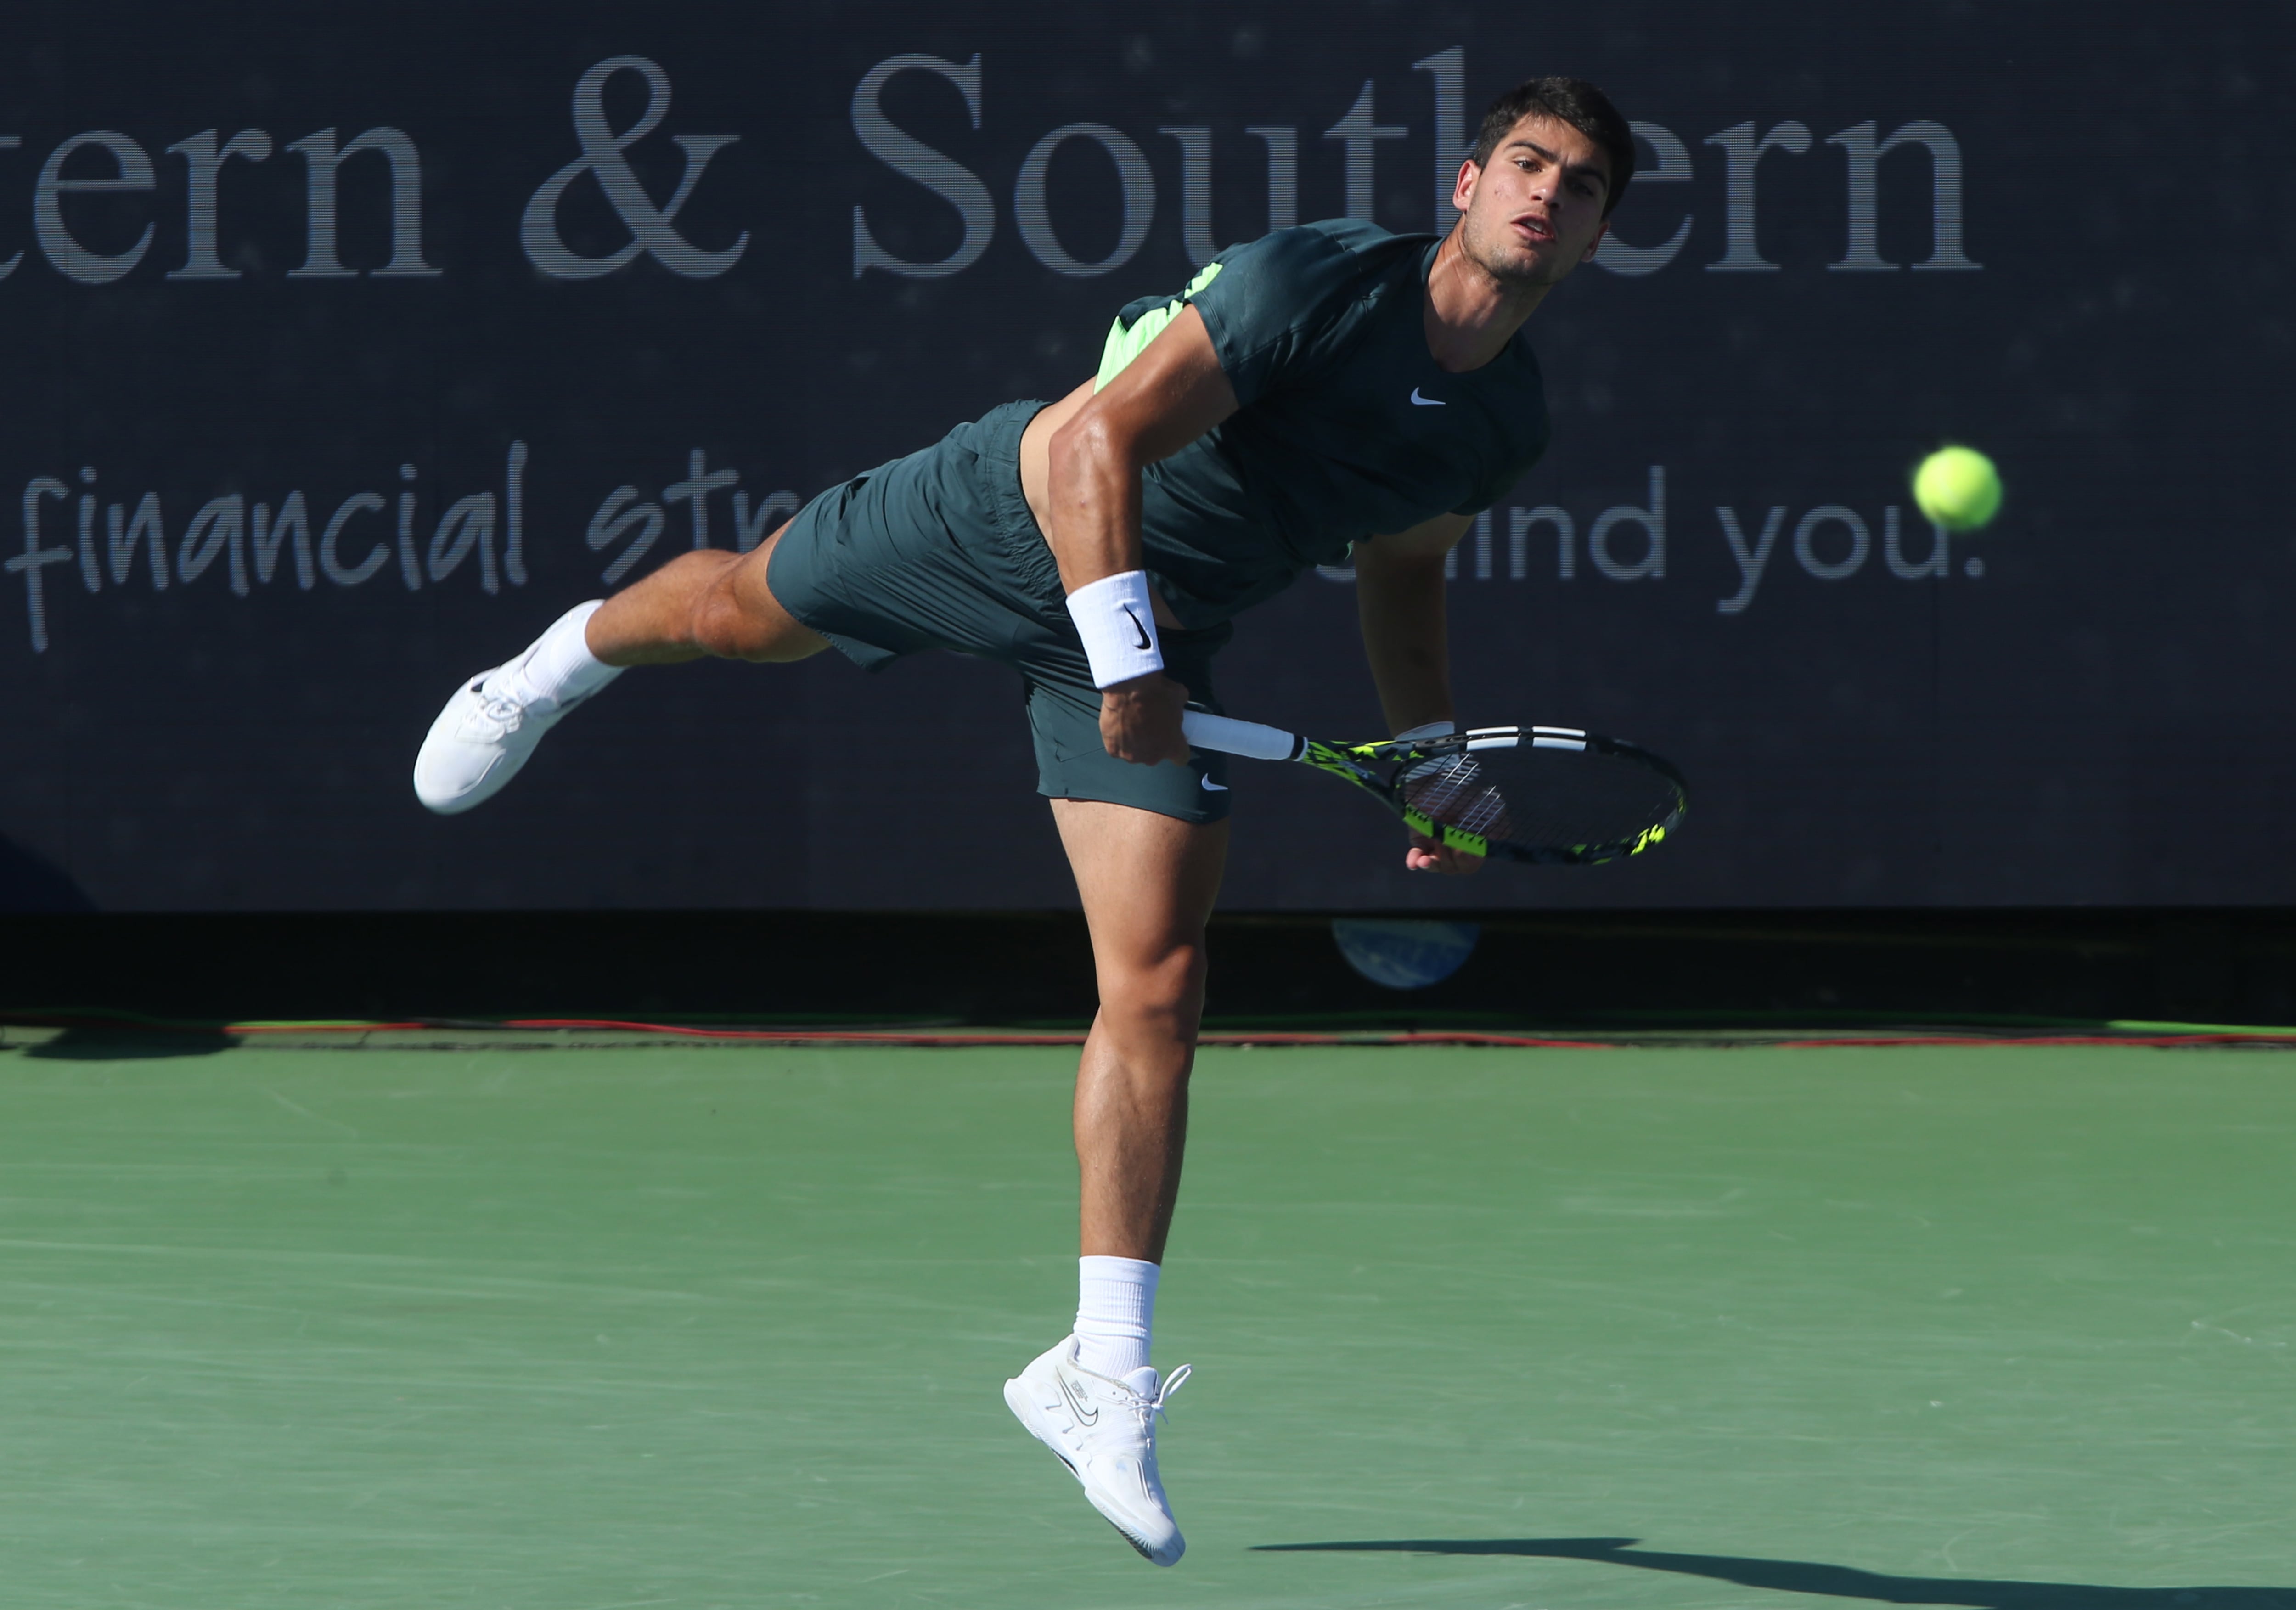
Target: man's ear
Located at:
point(1463, 188)
point(1594, 246)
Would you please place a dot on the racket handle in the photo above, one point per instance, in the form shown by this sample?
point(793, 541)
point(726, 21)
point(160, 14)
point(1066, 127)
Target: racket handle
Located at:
point(1249, 739)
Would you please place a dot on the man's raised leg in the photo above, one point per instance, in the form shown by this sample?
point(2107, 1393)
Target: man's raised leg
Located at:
point(705, 603)
point(1148, 884)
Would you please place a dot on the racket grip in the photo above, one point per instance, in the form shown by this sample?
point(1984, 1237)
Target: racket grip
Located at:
point(1249, 739)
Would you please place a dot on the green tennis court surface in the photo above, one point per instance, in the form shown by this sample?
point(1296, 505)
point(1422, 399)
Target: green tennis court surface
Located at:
point(2008, 1328)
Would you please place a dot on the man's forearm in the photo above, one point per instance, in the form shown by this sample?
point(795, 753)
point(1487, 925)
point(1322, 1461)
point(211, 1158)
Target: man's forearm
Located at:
point(1094, 530)
point(1091, 522)
point(1170, 395)
point(1400, 601)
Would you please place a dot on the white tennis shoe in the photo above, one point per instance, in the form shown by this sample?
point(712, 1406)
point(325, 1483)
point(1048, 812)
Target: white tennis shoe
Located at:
point(1105, 1431)
point(478, 742)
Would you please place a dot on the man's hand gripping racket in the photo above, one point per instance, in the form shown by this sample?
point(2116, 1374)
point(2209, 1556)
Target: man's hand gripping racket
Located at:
point(1452, 790)
point(1553, 796)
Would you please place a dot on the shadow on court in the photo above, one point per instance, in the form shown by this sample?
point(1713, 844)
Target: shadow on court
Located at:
point(98, 1044)
point(1831, 1581)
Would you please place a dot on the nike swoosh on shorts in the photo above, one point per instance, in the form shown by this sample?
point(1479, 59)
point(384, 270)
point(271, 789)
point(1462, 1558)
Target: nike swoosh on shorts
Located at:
point(1212, 787)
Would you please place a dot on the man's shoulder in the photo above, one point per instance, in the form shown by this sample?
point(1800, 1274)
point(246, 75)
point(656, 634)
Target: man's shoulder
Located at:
point(1295, 297)
point(1322, 257)
point(1349, 236)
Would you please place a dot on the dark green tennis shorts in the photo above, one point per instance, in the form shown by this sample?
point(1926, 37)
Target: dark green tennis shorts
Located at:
point(939, 550)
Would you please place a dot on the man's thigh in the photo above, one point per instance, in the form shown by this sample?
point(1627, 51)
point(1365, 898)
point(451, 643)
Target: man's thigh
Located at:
point(1148, 881)
point(915, 556)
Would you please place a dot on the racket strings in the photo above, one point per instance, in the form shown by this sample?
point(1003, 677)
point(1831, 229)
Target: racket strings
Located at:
point(1455, 791)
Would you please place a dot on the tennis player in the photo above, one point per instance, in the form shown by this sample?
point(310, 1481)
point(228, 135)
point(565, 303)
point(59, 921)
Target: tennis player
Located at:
point(1322, 387)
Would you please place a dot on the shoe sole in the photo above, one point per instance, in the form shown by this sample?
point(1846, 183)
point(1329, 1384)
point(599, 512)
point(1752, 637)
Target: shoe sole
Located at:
point(1023, 1410)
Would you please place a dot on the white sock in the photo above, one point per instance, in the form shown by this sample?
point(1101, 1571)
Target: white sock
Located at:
point(1116, 1309)
point(559, 668)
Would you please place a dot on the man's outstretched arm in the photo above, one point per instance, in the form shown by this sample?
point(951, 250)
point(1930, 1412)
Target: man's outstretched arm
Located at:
point(1399, 599)
point(1165, 399)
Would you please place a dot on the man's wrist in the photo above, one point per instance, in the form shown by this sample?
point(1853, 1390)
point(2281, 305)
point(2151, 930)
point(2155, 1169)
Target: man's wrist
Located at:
point(1427, 729)
point(1116, 618)
point(1142, 686)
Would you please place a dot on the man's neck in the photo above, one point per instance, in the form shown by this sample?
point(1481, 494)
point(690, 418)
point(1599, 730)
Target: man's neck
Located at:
point(1471, 315)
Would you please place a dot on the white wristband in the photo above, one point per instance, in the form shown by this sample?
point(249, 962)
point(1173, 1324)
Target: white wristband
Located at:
point(1432, 729)
point(1117, 624)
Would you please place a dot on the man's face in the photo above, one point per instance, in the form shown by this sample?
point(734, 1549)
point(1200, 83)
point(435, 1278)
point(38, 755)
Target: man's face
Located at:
point(1535, 210)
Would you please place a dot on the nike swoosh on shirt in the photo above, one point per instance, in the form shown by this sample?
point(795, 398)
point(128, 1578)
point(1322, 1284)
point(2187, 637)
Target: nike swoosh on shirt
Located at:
point(1212, 787)
point(1427, 402)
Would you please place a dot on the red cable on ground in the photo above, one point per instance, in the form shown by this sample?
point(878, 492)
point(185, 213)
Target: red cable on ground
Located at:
point(958, 1037)
point(2158, 1041)
point(1406, 1037)
point(807, 1036)
point(896, 1037)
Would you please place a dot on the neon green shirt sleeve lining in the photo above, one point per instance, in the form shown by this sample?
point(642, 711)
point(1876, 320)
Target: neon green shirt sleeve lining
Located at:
point(1124, 345)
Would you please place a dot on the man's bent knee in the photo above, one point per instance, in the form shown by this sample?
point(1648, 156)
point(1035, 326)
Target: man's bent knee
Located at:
point(1167, 990)
point(721, 627)
point(737, 622)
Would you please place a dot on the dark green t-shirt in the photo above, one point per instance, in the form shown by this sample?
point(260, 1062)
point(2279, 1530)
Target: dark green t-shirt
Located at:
point(1346, 427)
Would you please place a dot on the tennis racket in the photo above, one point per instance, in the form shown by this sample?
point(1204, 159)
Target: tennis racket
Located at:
point(1553, 796)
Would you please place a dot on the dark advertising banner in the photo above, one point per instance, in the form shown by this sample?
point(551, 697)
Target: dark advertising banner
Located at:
point(346, 348)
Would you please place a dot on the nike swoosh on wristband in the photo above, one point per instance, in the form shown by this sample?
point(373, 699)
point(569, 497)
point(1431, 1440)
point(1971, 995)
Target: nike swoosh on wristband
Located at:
point(1136, 627)
point(1212, 787)
point(1427, 402)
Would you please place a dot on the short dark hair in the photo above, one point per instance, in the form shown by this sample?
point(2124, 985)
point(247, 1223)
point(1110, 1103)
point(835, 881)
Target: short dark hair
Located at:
point(1573, 100)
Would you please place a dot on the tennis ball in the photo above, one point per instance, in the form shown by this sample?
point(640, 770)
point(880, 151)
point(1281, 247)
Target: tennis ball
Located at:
point(1958, 488)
